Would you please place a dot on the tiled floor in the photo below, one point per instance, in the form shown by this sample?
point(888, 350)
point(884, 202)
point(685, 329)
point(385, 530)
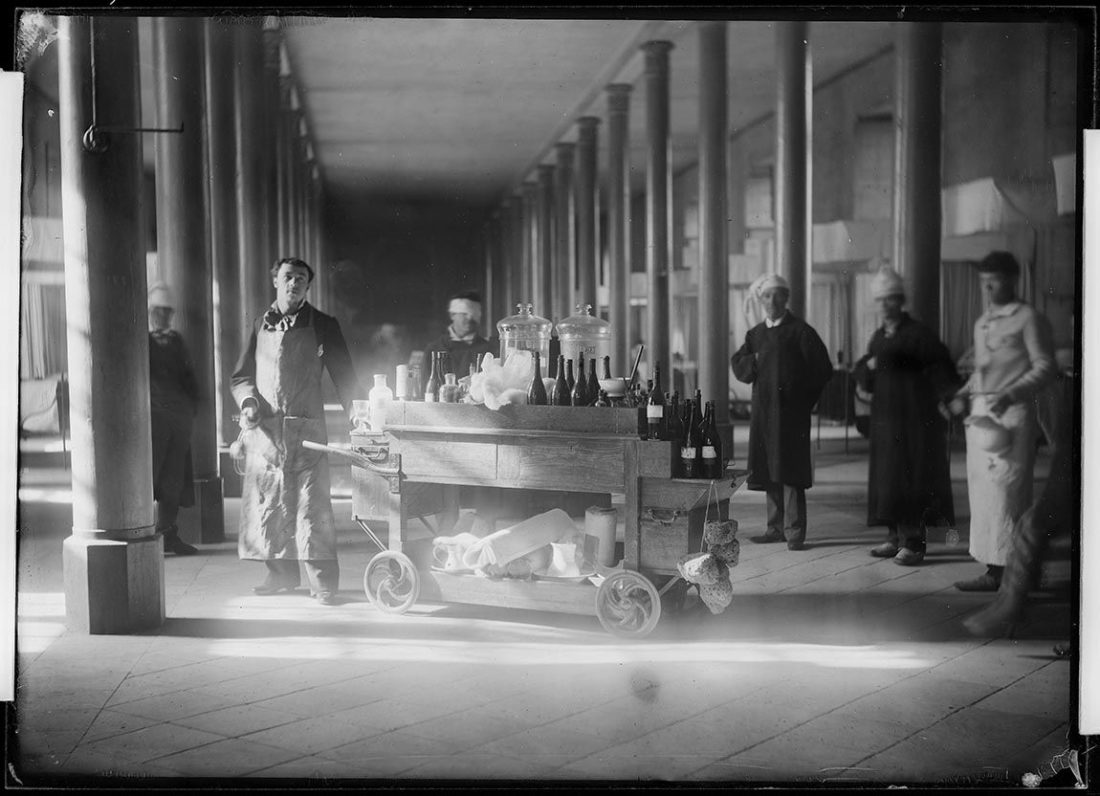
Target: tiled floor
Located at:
point(830, 666)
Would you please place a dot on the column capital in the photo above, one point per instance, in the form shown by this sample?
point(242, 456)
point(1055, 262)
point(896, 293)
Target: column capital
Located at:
point(588, 123)
point(657, 48)
point(564, 148)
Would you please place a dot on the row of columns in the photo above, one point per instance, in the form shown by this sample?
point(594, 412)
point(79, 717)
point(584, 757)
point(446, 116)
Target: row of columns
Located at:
point(565, 273)
point(235, 190)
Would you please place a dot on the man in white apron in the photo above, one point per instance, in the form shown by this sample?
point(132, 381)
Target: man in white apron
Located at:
point(286, 509)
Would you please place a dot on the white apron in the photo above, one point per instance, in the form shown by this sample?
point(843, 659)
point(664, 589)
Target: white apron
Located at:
point(1000, 484)
point(286, 508)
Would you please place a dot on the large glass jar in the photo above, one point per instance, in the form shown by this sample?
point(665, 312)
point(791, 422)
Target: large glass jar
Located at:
point(524, 331)
point(583, 334)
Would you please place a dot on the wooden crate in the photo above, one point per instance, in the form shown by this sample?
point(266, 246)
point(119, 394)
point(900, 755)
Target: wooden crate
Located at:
point(528, 420)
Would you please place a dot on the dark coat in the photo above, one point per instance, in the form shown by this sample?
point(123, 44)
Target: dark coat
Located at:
point(462, 353)
point(788, 367)
point(909, 480)
point(173, 401)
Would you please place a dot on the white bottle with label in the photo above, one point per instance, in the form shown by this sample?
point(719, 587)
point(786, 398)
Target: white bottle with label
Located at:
point(379, 398)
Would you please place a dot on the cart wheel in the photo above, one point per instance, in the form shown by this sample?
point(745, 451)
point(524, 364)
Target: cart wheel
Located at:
point(628, 605)
point(392, 582)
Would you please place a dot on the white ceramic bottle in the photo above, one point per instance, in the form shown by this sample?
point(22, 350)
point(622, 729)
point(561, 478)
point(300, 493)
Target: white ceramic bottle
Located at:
point(380, 397)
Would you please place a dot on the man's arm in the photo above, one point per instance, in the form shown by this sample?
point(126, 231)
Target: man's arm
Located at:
point(744, 361)
point(819, 365)
point(337, 360)
point(243, 381)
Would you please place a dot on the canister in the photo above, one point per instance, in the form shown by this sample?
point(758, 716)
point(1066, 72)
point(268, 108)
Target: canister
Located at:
point(583, 334)
point(524, 331)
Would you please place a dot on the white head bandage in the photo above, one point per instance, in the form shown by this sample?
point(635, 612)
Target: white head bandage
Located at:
point(471, 308)
point(160, 295)
point(887, 282)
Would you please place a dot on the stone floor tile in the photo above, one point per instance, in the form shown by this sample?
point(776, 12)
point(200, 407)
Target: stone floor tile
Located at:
point(111, 722)
point(396, 743)
point(476, 766)
point(620, 764)
point(167, 707)
point(231, 757)
point(233, 722)
point(311, 771)
point(58, 718)
point(468, 728)
point(100, 766)
point(393, 714)
point(314, 735)
point(991, 733)
point(547, 740)
point(55, 745)
point(152, 742)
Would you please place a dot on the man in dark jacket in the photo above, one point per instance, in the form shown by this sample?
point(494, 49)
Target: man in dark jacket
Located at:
point(788, 366)
point(173, 399)
point(286, 508)
point(462, 341)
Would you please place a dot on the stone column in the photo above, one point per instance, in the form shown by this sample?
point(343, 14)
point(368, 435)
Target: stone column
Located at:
point(588, 209)
point(618, 221)
point(713, 248)
point(917, 161)
point(565, 243)
point(792, 156)
point(183, 247)
point(658, 207)
point(528, 285)
point(248, 101)
point(226, 294)
point(282, 165)
point(545, 260)
point(114, 561)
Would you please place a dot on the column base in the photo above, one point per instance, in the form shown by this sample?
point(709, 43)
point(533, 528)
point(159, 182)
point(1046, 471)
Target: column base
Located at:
point(204, 523)
point(111, 586)
point(232, 481)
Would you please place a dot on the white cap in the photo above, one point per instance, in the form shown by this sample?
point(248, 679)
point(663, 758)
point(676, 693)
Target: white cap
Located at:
point(471, 308)
point(160, 295)
point(771, 281)
point(887, 282)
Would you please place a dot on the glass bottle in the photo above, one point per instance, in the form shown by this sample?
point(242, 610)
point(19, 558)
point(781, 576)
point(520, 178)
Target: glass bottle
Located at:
point(607, 367)
point(536, 393)
point(401, 384)
point(435, 381)
point(711, 451)
point(579, 394)
point(569, 379)
point(603, 400)
point(689, 445)
point(675, 426)
point(593, 383)
point(655, 407)
point(414, 391)
point(379, 399)
point(560, 394)
point(448, 393)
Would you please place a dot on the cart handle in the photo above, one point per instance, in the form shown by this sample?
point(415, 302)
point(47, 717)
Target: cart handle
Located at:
point(357, 457)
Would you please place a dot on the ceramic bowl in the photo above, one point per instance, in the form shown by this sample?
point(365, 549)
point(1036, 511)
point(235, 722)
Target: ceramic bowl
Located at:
point(615, 388)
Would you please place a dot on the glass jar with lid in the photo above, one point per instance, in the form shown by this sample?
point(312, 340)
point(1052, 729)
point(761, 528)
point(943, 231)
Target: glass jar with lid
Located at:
point(524, 331)
point(583, 334)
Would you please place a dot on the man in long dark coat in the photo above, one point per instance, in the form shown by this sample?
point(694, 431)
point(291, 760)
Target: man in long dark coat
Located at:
point(788, 366)
point(909, 374)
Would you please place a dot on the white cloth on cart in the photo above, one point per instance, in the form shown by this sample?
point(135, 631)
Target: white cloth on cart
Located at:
point(521, 539)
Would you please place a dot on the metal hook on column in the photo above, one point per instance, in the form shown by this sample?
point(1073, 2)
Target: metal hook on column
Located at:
point(96, 138)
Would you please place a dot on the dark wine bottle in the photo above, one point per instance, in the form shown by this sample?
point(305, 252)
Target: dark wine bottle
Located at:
point(569, 380)
point(593, 383)
point(698, 405)
point(559, 396)
point(579, 394)
point(689, 445)
point(435, 380)
point(603, 400)
point(711, 450)
point(607, 367)
point(655, 408)
point(536, 393)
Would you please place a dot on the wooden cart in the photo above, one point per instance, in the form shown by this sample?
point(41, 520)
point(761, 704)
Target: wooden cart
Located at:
point(568, 449)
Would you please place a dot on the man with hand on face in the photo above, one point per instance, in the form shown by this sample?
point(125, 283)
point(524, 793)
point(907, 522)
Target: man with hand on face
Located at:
point(788, 366)
point(462, 341)
point(286, 509)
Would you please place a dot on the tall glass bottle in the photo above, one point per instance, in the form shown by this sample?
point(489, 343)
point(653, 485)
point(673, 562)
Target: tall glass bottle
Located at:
point(699, 420)
point(579, 394)
point(689, 445)
point(607, 367)
point(448, 392)
point(569, 379)
point(655, 407)
point(536, 393)
point(559, 396)
point(593, 383)
point(711, 449)
point(435, 380)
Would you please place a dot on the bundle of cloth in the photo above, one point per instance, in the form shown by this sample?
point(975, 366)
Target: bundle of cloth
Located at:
point(500, 383)
point(548, 544)
point(709, 570)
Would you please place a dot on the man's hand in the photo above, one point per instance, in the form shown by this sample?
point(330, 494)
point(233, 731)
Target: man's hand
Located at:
point(957, 406)
point(1001, 401)
point(871, 363)
point(250, 416)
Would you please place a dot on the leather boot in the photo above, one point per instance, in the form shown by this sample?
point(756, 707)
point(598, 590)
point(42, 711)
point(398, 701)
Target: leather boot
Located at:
point(173, 543)
point(1020, 575)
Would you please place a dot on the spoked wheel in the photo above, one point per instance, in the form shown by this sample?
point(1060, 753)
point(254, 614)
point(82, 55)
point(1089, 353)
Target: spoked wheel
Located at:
point(628, 605)
point(391, 582)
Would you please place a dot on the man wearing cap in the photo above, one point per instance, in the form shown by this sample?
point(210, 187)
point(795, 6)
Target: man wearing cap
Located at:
point(462, 340)
point(173, 402)
point(1013, 362)
point(788, 366)
point(286, 508)
point(910, 376)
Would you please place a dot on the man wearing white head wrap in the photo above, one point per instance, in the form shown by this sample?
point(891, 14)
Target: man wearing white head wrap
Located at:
point(173, 398)
point(788, 366)
point(462, 341)
point(909, 373)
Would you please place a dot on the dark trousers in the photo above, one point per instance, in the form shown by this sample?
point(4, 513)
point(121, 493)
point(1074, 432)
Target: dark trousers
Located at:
point(323, 574)
point(787, 512)
point(909, 536)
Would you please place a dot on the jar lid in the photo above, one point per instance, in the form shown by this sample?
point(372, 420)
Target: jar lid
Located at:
point(583, 323)
point(524, 321)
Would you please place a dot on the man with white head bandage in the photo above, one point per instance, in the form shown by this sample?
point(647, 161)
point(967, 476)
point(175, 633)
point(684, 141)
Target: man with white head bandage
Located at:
point(462, 341)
